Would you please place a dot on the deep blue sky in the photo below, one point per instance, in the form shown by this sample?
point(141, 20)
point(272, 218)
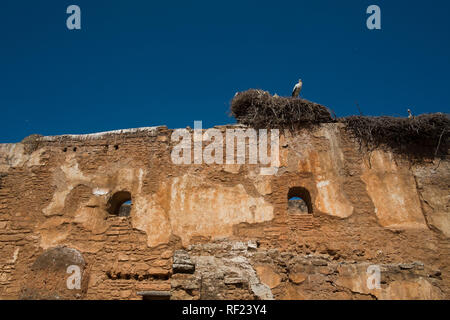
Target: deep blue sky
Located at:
point(144, 63)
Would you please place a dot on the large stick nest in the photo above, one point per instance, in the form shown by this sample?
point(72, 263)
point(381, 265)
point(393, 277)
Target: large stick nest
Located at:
point(424, 134)
point(259, 109)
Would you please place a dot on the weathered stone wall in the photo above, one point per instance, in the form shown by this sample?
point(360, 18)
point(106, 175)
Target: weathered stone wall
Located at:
point(229, 227)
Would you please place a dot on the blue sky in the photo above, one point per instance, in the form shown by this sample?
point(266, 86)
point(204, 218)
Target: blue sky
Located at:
point(142, 63)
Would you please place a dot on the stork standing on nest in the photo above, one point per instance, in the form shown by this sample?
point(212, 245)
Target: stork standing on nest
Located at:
point(410, 115)
point(297, 89)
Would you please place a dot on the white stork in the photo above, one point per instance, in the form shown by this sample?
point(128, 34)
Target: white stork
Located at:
point(410, 115)
point(297, 89)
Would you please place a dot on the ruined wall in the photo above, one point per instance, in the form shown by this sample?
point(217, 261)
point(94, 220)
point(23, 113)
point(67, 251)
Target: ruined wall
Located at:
point(220, 231)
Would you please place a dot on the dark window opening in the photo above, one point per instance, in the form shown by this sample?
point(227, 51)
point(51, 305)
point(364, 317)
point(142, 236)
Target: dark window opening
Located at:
point(116, 147)
point(75, 149)
point(120, 204)
point(299, 200)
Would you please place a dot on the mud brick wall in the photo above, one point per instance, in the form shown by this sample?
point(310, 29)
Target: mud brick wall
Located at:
point(231, 227)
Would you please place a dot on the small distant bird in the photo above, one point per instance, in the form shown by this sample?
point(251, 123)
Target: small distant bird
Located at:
point(276, 96)
point(297, 89)
point(410, 115)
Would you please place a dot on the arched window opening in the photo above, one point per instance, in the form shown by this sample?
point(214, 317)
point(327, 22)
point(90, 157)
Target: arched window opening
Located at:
point(299, 200)
point(120, 204)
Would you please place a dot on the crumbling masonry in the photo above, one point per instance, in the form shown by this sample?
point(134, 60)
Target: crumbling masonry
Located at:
point(220, 231)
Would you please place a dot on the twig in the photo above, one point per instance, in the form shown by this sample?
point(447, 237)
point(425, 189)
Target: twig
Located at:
point(439, 143)
point(360, 112)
